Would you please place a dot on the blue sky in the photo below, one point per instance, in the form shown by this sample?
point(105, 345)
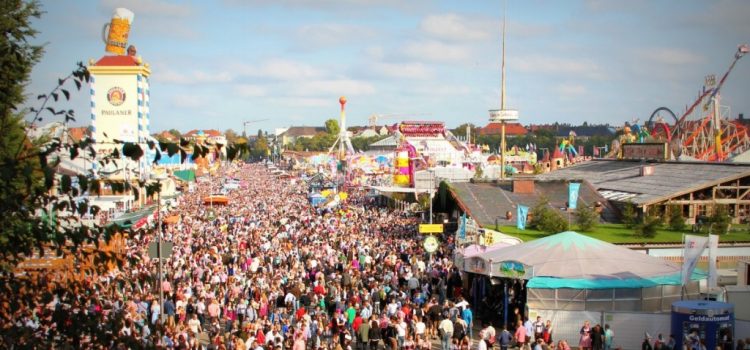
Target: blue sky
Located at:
point(217, 63)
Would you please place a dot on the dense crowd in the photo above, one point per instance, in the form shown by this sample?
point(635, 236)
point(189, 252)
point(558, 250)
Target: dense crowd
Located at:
point(270, 271)
point(266, 271)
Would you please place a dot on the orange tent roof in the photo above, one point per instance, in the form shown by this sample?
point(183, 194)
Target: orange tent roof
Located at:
point(216, 199)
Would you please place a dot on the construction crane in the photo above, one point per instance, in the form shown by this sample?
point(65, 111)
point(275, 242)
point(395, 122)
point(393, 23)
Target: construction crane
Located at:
point(244, 125)
point(373, 119)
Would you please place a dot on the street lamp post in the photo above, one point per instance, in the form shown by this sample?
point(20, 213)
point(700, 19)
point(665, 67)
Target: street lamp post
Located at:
point(432, 188)
point(158, 253)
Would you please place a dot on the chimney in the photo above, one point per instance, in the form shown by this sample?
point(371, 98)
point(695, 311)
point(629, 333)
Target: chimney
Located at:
point(523, 185)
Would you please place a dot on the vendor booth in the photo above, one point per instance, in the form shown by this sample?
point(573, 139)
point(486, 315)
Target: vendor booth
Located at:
point(216, 199)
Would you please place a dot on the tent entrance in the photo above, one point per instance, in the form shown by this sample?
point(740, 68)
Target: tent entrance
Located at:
point(497, 300)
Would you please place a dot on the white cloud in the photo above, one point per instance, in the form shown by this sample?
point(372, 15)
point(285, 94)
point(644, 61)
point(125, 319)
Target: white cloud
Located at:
point(375, 52)
point(571, 90)
point(355, 6)
point(249, 90)
point(321, 35)
point(436, 51)
point(335, 87)
point(149, 7)
point(443, 90)
point(557, 65)
point(670, 56)
point(302, 102)
point(455, 27)
point(279, 69)
point(403, 70)
point(189, 101)
point(191, 77)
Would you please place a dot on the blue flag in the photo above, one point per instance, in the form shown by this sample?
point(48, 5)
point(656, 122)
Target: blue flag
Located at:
point(523, 211)
point(573, 194)
point(462, 229)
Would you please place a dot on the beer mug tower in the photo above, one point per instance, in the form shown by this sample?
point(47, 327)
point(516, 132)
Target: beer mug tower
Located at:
point(120, 102)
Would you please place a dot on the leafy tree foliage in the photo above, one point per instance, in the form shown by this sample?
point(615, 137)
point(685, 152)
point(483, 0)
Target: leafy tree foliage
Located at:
point(363, 143)
point(676, 221)
point(648, 227)
point(586, 217)
point(231, 136)
point(650, 223)
point(720, 219)
point(176, 133)
point(629, 215)
point(544, 218)
point(332, 127)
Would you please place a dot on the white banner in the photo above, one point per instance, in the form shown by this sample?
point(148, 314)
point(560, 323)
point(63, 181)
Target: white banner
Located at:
point(713, 254)
point(694, 246)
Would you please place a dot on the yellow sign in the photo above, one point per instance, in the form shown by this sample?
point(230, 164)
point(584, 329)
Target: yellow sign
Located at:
point(430, 228)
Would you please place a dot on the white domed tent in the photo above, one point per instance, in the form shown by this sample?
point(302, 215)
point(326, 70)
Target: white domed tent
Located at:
point(570, 271)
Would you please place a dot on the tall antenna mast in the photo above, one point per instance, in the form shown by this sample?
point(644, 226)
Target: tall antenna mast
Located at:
point(502, 87)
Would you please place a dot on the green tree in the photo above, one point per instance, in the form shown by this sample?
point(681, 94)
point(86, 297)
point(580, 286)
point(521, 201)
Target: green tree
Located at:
point(544, 218)
point(650, 223)
point(260, 147)
point(460, 131)
point(629, 215)
point(586, 217)
point(231, 136)
point(176, 133)
point(720, 219)
point(332, 127)
point(676, 221)
point(22, 179)
point(648, 227)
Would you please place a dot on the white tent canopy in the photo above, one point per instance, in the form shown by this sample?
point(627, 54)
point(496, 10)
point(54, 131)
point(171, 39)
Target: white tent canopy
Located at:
point(572, 260)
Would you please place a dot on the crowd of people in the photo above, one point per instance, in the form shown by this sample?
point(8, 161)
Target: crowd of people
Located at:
point(266, 271)
point(269, 271)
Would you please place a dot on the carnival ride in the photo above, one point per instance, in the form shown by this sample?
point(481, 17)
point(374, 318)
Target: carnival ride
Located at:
point(705, 133)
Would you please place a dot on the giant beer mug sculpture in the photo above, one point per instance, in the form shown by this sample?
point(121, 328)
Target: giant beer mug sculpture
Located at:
point(115, 33)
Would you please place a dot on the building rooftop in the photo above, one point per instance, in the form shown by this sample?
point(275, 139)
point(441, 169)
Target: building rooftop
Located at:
point(117, 61)
point(304, 130)
point(622, 180)
point(511, 129)
point(485, 201)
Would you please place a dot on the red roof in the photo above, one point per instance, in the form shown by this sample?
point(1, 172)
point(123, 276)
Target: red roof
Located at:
point(206, 133)
point(79, 133)
point(557, 154)
point(117, 61)
point(167, 135)
point(511, 129)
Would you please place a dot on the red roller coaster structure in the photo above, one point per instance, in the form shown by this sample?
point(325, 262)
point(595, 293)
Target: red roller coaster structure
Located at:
point(706, 133)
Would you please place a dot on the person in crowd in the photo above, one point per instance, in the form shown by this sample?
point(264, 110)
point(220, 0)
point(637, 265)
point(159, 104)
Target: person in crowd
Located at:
point(584, 343)
point(609, 337)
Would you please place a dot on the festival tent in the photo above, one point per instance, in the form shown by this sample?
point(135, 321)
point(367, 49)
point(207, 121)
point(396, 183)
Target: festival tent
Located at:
point(464, 257)
point(598, 275)
point(135, 219)
point(185, 175)
point(316, 199)
point(216, 199)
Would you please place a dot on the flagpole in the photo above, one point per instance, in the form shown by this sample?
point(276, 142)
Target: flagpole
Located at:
point(682, 270)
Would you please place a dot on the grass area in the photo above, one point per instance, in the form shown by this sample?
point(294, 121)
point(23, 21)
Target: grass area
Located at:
point(618, 233)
